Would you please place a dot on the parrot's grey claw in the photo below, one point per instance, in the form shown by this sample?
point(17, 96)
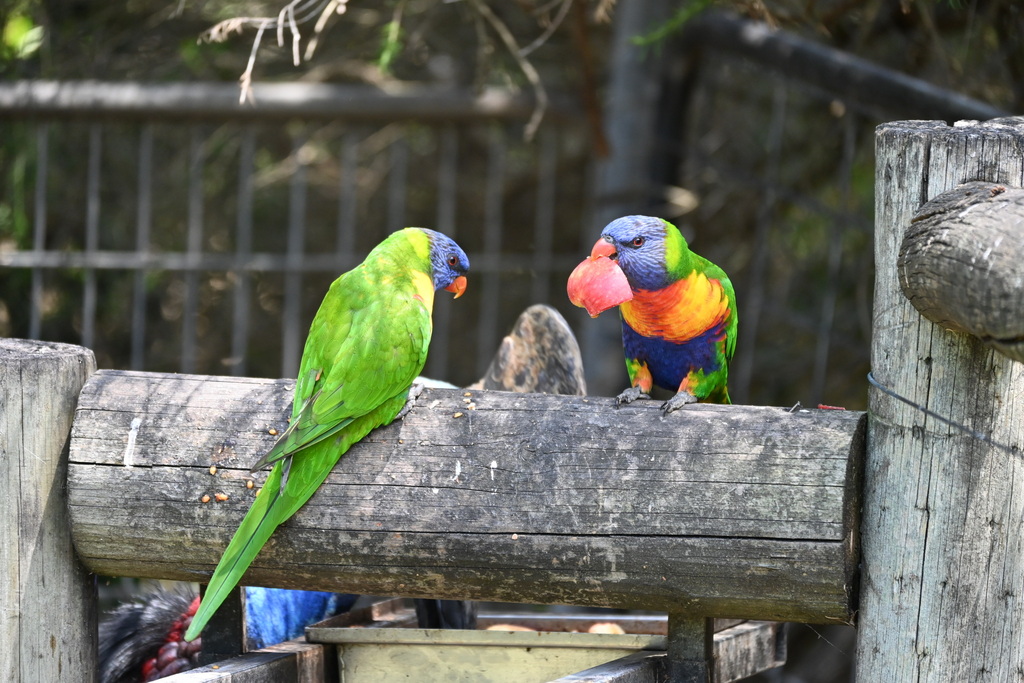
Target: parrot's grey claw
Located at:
point(678, 401)
point(629, 395)
point(414, 392)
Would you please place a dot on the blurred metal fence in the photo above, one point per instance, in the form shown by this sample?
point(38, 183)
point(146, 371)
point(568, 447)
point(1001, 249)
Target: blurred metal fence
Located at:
point(168, 228)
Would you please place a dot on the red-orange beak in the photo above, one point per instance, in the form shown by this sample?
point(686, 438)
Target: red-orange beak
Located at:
point(602, 248)
point(458, 286)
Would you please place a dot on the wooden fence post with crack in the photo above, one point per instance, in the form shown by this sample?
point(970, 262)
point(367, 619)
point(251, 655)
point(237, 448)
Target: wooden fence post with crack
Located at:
point(943, 503)
point(47, 599)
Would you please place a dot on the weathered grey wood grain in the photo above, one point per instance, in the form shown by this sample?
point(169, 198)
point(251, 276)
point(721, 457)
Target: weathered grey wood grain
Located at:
point(721, 510)
point(740, 652)
point(294, 661)
point(961, 263)
point(47, 600)
point(639, 667)
point(943, 552)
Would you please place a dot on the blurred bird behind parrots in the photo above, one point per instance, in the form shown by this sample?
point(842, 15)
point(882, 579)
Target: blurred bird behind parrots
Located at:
point(678, 309)
point(366, 345)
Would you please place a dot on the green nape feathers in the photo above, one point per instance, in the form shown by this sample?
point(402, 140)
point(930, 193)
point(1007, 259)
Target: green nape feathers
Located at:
point(366, 345)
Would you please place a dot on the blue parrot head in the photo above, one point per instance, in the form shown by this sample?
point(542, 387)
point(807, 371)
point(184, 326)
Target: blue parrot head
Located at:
point(644, 247)
point(449, 263)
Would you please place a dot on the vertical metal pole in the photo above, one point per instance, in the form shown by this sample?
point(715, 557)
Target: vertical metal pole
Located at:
point(291, 315)
point(348, 198)
point(494, 195)
point(543, 229)
point(623, 183)
point(243, 250)
point(752, 303)
point(836, 232)
point(92, 234)
point(398, 183)
point(190, 311)
point(35, 322)
point(143, 223)
point(447, 178)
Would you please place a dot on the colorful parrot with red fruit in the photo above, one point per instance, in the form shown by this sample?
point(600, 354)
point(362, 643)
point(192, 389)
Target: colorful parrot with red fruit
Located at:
point(678, 310)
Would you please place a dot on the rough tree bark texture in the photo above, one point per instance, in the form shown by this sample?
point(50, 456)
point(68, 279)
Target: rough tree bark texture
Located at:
point(943, 552)
point(962, 263)
point(47, 600)
point(718, 510)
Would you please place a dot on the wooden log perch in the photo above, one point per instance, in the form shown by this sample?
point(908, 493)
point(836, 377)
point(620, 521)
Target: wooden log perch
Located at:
point(962, 263)
point(726, 511)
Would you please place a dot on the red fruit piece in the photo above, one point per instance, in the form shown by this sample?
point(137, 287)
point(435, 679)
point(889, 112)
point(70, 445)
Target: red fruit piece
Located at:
point(598, 284)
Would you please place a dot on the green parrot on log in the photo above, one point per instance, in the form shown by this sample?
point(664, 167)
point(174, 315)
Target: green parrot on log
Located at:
point(366, 345)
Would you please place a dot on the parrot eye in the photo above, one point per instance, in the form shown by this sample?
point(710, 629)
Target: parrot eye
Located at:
point(453, 260)
point(638, 241)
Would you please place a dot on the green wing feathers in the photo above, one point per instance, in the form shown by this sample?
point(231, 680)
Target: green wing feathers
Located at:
point(366, 345)
point(306, 471)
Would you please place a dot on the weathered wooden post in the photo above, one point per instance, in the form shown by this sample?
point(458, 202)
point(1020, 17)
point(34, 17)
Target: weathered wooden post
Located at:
point(47, 599)
point(943, 552)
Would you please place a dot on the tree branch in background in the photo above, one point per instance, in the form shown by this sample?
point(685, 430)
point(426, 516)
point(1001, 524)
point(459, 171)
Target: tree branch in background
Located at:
point(524, 65)
point(291, 16)
point(298, 12)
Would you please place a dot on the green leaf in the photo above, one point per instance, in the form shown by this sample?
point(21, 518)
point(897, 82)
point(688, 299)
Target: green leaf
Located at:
point(391, 45)
point(688, 11)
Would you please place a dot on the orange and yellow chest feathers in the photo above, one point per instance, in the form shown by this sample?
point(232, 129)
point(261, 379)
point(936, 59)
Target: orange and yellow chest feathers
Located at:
point(683, 310)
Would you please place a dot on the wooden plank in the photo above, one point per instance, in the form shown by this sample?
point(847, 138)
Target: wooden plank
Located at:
point(740, 651)
point(729, 511)
point(639, 667)
point(943, 556)
point(294, 661)
point(961, 263)
point(47, 600)
point(690, 649)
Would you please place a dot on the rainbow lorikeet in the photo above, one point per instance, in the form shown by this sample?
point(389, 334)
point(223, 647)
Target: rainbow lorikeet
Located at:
point(366, 345)
point(678, 310)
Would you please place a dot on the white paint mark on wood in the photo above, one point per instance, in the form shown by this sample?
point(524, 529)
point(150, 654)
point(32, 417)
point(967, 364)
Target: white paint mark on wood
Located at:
point(129, 449)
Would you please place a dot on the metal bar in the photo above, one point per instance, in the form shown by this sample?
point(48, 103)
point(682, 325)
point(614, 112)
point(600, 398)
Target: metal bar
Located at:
point(243, 251)
point(447, 186)
point(92, 233)
point(753, 299)
point(190, 310)
point(35, 323)
point(348, 196)
point(836, 231)
point(543, 229)
point(840, 73)
point(398, 181)
point(494, 193)
point(291, 316)
point(143, 224)
point(254, 263)
point(271, 101)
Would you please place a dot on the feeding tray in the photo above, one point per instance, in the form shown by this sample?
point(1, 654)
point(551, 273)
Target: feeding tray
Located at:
point(382, 642)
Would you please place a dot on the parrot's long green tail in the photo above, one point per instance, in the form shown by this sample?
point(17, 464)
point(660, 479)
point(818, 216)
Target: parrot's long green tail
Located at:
point(257, 526)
